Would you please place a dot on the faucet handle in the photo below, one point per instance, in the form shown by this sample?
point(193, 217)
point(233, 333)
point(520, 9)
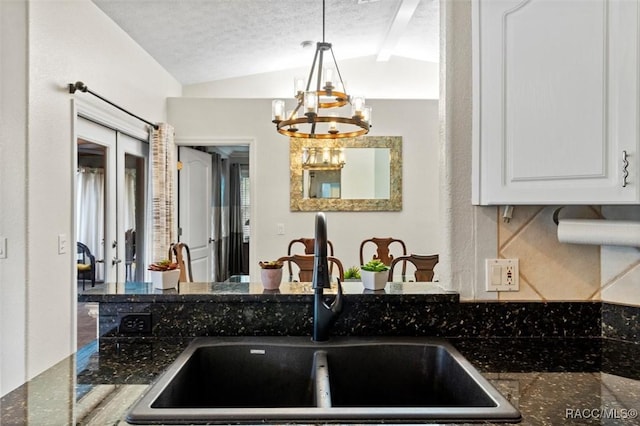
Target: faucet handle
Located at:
point(337, 304)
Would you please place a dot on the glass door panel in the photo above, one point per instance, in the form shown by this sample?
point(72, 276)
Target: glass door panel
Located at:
point(95, 201)
point(132, 170)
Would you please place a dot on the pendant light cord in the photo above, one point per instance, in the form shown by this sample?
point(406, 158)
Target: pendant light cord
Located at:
point(323, 20)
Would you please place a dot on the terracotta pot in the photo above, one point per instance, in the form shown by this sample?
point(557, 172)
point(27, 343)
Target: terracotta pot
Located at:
point(271, 278)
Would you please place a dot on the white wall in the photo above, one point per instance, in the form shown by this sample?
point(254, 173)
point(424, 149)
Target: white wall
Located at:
point(199, 119)
point(374, 79)
point(66, 43)
point(13, 143)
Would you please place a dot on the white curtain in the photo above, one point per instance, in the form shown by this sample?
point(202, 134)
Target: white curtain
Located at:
point(129, 199)
point(163, 169)
point(90, 212)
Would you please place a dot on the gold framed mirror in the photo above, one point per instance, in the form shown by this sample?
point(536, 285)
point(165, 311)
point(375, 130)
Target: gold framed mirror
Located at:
point(352, 174)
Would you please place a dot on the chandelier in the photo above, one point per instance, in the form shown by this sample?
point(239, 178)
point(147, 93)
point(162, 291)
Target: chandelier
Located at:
point(322, 158)
point(311, 117)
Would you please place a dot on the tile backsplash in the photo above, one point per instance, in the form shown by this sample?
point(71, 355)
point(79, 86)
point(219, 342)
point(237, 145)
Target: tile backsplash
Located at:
point(554, 271)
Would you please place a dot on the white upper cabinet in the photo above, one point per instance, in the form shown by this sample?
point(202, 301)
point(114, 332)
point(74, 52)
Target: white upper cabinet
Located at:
point(556, 102)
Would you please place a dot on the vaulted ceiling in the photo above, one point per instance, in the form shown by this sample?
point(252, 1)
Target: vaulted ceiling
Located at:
point(208, 40)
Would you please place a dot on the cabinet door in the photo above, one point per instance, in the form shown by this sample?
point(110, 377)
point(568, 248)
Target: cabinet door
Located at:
point(555, 102)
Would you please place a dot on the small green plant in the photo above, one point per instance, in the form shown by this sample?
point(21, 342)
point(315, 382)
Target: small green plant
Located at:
point(375, 265)
point(352, 273)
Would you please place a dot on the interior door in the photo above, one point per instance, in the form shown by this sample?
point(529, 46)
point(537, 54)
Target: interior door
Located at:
point(99, 142)
point(132, 169)
point(195, 210)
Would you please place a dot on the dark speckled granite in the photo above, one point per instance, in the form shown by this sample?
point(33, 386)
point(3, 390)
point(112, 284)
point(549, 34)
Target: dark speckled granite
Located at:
point(407, 316)
point(404, 309)
point(546, 358)
point(621, 322)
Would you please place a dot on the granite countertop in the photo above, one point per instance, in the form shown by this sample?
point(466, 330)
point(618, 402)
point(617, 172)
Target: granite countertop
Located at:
point(551, 380)
point(548, 359)
point(251, 291)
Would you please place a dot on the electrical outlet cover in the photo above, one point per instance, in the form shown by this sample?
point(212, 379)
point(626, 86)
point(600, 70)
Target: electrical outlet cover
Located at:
point(502, 275)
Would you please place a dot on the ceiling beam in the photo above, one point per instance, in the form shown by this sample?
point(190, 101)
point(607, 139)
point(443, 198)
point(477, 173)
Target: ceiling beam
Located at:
point(405, 11)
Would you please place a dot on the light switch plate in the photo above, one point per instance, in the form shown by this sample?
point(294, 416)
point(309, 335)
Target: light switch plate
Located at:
point(3, 247)
point(62, 243)
point(502, 275)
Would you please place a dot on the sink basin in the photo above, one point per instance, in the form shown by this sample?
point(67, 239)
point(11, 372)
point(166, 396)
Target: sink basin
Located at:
point(292, 379)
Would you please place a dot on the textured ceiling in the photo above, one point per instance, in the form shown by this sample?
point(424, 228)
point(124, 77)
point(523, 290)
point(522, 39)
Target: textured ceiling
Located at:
point(206, 40)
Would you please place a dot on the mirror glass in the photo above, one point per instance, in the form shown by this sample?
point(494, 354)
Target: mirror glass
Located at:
point(356, 174)
point(363, 173)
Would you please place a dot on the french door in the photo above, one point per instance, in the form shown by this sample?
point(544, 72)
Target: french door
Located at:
point(110, 200)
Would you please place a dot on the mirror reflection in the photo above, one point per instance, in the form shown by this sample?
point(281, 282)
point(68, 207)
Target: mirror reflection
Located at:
point(349, 173)
point(361, 174)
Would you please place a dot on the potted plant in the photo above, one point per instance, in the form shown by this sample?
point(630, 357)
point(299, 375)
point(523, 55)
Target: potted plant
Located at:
point(271, 274)
point(352, 274)
point(164, 274)
point(374, 275)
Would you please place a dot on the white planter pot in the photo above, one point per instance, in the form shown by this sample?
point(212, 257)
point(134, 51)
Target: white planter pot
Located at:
point(374, 280)
point(163, 280)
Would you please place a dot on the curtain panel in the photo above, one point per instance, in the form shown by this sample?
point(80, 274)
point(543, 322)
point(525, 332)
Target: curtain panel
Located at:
point(236, 255)
point(163, 176)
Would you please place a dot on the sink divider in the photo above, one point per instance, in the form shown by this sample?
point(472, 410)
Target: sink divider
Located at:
point(321, 379)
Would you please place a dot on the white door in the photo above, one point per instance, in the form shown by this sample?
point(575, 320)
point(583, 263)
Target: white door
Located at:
point(195, 211)
point(96, 206)
point(116, 156)
point(132, 171)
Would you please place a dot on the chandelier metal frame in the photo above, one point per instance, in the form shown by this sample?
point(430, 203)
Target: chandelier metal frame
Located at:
point(326, 98)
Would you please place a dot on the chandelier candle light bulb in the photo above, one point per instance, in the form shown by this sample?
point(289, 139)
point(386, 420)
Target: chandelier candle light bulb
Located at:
point(357, 106)
point(328, 76)
point(310, 103)
point(292, 115)
point(333, 125)
point(277, 110)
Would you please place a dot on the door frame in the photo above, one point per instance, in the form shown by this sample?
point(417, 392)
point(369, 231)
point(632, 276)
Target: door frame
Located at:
point(251, 143)
point(100, 114)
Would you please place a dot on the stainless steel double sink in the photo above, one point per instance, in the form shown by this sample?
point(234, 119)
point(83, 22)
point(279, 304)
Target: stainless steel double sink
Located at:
point(295, 380)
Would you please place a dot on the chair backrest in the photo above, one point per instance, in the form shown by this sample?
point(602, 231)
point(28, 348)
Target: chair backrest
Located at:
point(86, 264)
point(424, 265)
point(85, 255)
point(304, 262)
point(383, 250)
point(180, 252)
point(309, 248)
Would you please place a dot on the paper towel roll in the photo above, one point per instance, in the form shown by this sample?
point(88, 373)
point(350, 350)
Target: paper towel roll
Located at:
point(599, 232)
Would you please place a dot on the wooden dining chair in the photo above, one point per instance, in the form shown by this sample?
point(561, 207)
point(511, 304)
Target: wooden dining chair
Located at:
point(308, 244)
point(424, 265)
point(383, 248)
point(179, 253)
point(304, 262)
